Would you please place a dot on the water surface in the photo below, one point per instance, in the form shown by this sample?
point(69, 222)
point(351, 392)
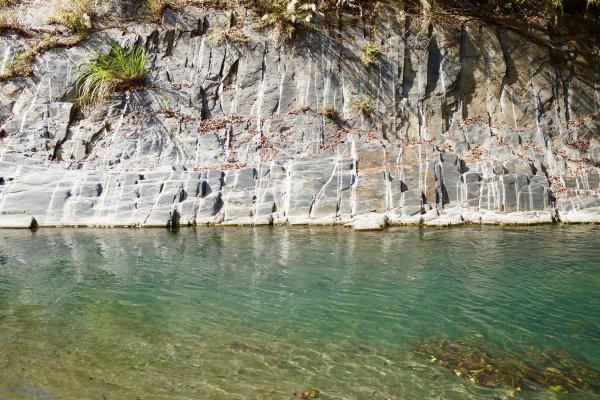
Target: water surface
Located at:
point(242, 313)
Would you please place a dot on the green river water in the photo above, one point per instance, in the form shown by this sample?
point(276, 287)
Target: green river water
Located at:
point(243, 313)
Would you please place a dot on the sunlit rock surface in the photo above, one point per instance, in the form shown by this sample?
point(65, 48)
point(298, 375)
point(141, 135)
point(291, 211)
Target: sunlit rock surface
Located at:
point(472, 122)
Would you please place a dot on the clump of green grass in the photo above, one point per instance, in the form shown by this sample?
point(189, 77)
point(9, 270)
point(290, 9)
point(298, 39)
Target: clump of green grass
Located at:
point(370, 52)
point(75, 15)
point(116, 71)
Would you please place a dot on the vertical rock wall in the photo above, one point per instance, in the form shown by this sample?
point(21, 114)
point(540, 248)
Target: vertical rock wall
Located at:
point(459, 120)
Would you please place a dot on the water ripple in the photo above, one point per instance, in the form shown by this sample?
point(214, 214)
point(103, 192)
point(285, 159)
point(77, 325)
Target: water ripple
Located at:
point(261, 313)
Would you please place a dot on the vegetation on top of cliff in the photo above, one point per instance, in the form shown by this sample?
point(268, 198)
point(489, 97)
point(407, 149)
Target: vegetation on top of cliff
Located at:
point(539, 6)
point(287, 16)
point(118, 70)
point(554, 12)
point(525, 7)
point(299, 11)
point(283, 17)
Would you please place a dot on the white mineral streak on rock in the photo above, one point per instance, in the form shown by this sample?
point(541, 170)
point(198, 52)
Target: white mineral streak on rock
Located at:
point(5, 59)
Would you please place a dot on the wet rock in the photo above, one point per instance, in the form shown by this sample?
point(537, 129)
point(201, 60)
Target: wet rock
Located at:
point(248, 348)
point(307, 394)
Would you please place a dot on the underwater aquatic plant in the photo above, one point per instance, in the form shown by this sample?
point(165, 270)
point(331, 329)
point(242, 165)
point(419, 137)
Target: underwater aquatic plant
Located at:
point(557, 371)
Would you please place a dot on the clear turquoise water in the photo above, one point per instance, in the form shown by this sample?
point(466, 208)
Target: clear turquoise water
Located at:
point(241, 313)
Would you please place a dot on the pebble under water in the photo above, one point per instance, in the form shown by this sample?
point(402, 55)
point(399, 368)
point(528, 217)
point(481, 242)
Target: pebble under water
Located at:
point(263, 313)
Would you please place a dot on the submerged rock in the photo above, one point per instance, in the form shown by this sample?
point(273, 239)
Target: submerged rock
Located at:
point(307, 394)
point(557, 372)
point(248, 348)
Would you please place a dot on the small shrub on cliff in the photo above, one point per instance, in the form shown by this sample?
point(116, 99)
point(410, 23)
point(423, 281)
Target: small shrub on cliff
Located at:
point(118, 70)
point(232, 34)
point(370, 52)
point(286, 15)
point(330, 113)
point(75, 15)
point(366, 109)
point(155, 8)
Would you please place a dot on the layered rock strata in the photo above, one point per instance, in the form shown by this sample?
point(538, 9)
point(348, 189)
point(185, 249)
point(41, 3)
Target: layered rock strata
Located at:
point(457, 121)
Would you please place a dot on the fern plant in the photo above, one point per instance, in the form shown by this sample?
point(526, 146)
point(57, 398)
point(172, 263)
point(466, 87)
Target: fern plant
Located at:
point(116, 71)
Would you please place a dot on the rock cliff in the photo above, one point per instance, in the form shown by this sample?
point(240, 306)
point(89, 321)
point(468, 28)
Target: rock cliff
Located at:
point(458, 120)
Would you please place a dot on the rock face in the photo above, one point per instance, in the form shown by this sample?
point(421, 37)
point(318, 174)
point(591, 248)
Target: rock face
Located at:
point(458, 121)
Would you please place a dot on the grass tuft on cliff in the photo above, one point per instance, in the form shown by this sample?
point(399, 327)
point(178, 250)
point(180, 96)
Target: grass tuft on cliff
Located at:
point(155, 9)
point(285, 16)
point(75, 15)
point(370, 53)
point(116, 71)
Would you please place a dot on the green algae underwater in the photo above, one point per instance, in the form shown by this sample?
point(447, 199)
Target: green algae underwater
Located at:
point(273, 313)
